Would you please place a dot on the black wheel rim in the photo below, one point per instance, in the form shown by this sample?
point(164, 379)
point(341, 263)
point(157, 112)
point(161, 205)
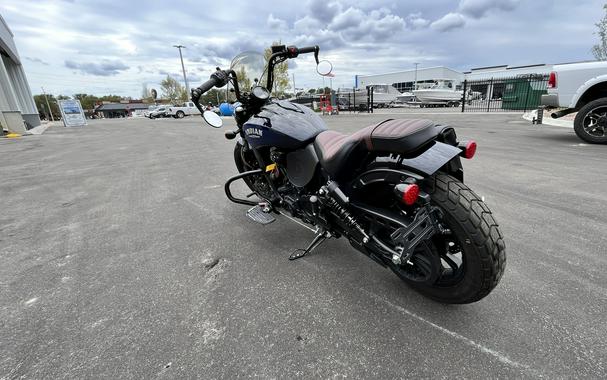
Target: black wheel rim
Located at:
point(595, 122)
point(439, 262)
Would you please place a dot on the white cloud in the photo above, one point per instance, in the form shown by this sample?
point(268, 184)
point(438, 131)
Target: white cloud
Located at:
point(479, 8)
point(103, 68)
point(416, 21)
point(449, 22)
point(276, 23)
point(360, 37)
point(306, 25)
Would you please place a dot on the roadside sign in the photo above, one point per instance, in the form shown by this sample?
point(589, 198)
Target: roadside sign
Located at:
point(72, 113)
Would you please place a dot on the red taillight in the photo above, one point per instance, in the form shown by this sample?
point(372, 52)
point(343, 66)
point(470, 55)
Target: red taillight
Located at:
point(552, 80)
point(470, 149)
point(407, 193)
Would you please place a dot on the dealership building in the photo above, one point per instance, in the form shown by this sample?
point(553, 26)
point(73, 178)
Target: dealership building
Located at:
point(404, 81)
point(17, 108)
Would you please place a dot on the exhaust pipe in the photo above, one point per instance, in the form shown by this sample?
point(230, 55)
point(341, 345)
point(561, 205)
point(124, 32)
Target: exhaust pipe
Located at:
point(561, 113)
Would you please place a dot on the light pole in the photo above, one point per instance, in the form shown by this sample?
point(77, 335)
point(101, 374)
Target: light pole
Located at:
point(185, 79)
point(415, 85)
point(50, 111)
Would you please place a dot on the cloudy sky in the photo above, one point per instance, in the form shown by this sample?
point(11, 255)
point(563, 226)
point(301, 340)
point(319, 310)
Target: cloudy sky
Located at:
point(111, 46)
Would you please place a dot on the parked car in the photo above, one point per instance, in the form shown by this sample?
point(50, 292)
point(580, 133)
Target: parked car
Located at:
point(150, 110)
point(183, 110)
point(159, 112)
point(581, 88)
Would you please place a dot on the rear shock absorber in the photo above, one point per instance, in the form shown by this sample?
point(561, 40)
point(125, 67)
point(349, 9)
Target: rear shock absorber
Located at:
point(340, 210)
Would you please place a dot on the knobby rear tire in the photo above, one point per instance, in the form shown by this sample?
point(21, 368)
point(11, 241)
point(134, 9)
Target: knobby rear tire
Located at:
point(483, 244)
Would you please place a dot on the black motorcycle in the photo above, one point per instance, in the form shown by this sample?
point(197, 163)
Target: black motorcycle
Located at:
point(394, 189)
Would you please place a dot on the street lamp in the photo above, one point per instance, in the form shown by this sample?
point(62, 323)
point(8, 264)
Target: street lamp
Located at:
point(185, 79)
point(415, 85)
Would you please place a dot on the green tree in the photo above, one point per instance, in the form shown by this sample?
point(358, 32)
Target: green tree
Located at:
point(600, 50)
point(312, 91)
point(172, 90)
point(214, 96)
point(110, 98)
point(281, 73)
point(244, 82)
point(40, 101)
point(88, 102)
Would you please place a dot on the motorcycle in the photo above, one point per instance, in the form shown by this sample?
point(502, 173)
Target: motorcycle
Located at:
point(395, 189)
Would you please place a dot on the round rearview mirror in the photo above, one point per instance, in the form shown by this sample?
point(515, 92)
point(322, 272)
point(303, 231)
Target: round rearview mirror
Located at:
point(324, 68)
point(212, 119)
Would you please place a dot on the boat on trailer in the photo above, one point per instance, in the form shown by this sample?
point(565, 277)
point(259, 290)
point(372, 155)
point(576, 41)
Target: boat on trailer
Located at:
point(441, 93)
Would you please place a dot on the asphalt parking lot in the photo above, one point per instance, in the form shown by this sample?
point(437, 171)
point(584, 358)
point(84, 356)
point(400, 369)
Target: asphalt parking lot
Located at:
point(122, 258)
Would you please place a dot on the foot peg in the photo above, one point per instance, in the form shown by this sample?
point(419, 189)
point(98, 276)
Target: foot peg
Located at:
point(318, 240)
point(260, 214)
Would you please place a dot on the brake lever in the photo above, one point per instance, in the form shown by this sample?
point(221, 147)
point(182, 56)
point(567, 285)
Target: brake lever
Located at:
point(316, 56)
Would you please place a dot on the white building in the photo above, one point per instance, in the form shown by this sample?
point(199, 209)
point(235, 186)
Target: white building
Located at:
point(404, 80)
point(17, 108)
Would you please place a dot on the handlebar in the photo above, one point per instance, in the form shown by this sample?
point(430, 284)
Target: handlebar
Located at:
point(218, 79)
point(221, 77)
point(293, 51)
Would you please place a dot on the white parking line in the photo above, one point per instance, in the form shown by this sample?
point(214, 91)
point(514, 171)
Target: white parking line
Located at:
point(497, 355)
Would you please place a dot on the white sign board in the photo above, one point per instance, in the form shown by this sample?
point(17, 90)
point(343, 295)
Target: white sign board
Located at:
point(72, 113)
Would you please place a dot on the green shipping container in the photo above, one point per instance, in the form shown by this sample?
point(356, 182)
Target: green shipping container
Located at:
point(523, 93)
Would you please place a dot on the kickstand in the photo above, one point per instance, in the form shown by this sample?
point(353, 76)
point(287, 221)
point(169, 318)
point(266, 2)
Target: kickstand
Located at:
point(318, 240)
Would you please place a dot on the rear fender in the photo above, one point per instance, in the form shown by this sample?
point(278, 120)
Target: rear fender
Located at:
point(439, 156)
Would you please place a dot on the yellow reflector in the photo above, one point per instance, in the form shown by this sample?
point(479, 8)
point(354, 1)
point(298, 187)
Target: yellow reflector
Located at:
point(269, 168)
point(13, 135)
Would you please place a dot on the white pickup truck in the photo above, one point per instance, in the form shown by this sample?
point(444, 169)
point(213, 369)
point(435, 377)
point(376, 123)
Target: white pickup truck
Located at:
point(182, 110)
point(581, 88)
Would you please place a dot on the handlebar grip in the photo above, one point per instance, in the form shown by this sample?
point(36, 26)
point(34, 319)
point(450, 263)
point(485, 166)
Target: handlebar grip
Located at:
point(308, 49)
point(206, 86)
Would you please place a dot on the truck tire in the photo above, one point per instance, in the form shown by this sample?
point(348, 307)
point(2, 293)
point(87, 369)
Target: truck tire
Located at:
point(590, 122)
point(179, 114)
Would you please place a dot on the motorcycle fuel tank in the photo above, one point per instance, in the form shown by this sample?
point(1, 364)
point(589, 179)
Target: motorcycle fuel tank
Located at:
point(283, 125)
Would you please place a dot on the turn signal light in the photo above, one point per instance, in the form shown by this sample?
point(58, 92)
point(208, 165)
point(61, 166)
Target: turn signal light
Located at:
point(468, 148)
point(407, 193)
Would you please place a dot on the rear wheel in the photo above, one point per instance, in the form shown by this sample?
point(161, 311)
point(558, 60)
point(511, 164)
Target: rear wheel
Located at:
point(180, 114)
point(464, 265)
point(591, 122)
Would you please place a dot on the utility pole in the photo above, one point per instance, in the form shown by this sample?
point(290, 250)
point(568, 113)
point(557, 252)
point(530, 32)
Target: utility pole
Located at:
point(294, 88)
point(185, 79)
point(415, 85)
point(50, 111)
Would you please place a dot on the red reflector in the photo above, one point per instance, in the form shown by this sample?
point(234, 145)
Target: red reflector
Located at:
point(552, 80)
point(470, 149)
point(410, 194)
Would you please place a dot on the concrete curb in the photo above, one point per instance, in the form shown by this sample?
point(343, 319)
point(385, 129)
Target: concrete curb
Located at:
point(548, 120)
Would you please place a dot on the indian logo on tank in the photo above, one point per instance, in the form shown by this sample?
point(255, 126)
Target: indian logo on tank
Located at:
point(255, 133)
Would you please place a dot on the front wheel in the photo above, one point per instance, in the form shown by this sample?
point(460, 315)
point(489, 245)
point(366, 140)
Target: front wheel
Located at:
point(591, 122)
point(466, 264)
point(245, 161)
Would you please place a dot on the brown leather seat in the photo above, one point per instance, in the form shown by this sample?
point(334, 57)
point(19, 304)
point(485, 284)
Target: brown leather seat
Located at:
point(402, 136)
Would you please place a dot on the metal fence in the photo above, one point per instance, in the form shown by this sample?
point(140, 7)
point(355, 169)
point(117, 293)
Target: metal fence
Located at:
point(355, 100)
point(521, 93)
